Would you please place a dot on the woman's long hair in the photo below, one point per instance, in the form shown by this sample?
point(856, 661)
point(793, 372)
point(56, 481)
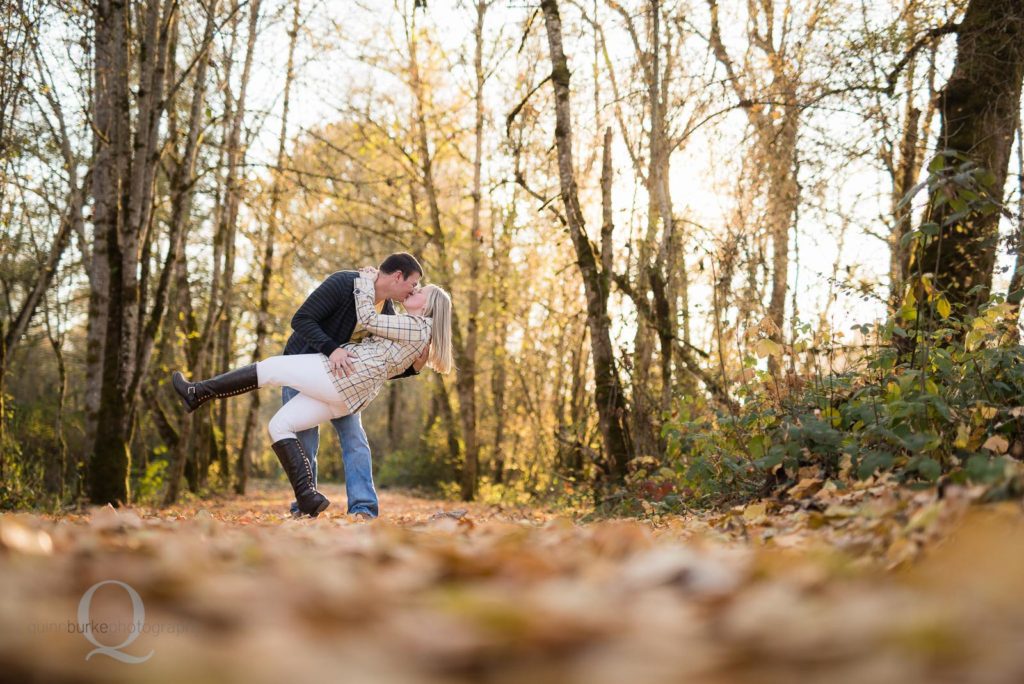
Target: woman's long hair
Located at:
point(439, 308)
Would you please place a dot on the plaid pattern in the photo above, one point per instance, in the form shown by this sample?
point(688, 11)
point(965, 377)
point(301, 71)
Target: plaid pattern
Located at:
point(360, 332)
point(326, 319)
point(393, 344)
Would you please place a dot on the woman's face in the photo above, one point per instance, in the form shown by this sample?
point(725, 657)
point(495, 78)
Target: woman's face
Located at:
point(416, 301)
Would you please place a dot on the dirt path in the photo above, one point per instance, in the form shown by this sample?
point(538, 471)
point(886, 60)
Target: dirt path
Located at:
point(873, 585)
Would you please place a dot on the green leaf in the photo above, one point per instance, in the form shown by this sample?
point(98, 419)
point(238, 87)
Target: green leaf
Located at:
point(907, 198)
point(981, 468)
point(958, 205)
point(942, 407)
point(872, 461)
point(775, 456)
point(920, 441)
point(929, 468)
point(973, 339)
point(756, 446)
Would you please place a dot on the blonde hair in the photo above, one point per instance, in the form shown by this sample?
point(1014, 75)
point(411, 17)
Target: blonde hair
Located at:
point(439, 309)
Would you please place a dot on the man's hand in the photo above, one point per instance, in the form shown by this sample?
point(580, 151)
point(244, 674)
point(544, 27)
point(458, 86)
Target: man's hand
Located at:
point(340, 362)
point(422, 360)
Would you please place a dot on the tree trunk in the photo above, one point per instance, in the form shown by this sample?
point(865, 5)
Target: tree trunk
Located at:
point(126, 168)
point(662, 271)
point(463, 349)
point(776, 137)
point(578, 416)
point(262, 327)
point(467, 372)
point(181, 448)
point(391, 429)
point(1015, 293)
point(904, 176)
point(182, 186)
point(783, 198)
point(57, 475)
point(223, 338)
point(108, 463)
point(613, 414)
point(447, 415)
point(501, 245)
point(979, 111)
point(3, 402)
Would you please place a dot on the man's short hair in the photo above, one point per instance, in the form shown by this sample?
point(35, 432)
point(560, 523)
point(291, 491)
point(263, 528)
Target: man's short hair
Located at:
point(401, 261)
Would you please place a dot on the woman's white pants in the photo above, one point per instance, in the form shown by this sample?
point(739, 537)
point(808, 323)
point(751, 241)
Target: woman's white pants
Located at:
point(317, 402)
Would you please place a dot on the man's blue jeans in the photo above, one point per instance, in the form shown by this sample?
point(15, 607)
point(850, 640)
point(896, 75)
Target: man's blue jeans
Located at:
point(355, 452)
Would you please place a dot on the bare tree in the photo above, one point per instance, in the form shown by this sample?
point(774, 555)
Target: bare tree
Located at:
point(611, 404)
point(774, 107)
point(463, 344)
point(128, 152)
point(270, 234)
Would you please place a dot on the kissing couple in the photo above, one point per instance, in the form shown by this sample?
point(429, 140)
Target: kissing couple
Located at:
point(346, 342)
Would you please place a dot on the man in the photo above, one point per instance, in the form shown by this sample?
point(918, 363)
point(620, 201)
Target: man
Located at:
point(324, 322)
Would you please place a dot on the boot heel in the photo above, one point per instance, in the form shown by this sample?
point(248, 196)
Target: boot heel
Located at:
point(296, 466)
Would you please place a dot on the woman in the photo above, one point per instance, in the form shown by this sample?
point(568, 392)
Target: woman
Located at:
point(393, 344)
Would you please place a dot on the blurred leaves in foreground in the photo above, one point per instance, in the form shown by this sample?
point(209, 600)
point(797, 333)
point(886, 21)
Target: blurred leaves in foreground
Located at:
point(875, 583)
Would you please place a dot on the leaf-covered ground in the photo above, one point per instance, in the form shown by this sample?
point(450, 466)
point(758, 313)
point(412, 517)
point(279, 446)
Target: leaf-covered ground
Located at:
point(874, 584)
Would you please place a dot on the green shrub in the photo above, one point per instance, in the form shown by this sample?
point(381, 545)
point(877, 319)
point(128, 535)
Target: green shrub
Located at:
point(401, 468)
point(938, 395)
point(947, 405)
point(150, 487)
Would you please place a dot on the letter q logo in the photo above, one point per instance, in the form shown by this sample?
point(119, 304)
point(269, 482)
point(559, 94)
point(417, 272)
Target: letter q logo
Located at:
point(138, 618)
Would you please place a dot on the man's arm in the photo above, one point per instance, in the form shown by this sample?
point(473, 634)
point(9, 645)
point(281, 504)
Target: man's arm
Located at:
point(325, 301)
point(407, 373)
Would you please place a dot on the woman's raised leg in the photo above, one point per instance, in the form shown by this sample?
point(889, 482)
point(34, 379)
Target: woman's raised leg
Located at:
point(305, 372)
point(302, 413)
point(195, 394)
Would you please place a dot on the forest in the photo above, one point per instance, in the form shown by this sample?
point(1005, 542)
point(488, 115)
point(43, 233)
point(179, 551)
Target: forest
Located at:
point(740, 260)
point(741, 271)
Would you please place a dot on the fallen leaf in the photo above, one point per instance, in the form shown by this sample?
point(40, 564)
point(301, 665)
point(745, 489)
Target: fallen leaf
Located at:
point(18, 537)
point(997, 444)
point(108, 519)
point(840, 511)
point(925, 517)
point(805, 487)
point(755, 512)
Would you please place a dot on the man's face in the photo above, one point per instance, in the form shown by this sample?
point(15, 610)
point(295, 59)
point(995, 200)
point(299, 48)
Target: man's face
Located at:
point(403, 287)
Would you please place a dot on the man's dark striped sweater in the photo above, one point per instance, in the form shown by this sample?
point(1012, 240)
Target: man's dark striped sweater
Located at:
point(326, 319)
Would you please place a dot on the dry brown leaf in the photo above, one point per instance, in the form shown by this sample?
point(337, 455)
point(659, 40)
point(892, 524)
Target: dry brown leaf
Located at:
point(18, 537)
point(755, 512)
point(760, 593)
point(804, 488)
point(996, 444)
